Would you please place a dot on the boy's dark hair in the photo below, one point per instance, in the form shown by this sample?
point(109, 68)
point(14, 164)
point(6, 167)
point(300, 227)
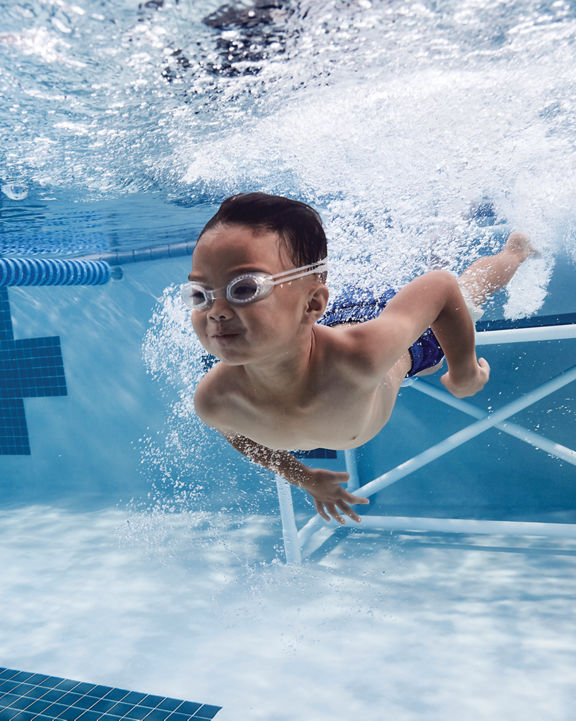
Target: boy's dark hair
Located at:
point(298, 225)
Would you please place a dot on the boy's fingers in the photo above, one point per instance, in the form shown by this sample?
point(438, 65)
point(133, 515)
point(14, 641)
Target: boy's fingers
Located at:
point(328, 510)
point(334, 513)
point(348, 511)
point(321, 511)
point(355, 499)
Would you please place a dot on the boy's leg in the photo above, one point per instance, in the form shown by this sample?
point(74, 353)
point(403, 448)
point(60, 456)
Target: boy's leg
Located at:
point(488, 275)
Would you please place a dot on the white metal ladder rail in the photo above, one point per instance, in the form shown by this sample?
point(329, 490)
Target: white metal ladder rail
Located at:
point(296, 540)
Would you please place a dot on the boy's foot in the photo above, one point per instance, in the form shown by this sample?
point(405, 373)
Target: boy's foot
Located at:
point(519, 244)
point(491, 273)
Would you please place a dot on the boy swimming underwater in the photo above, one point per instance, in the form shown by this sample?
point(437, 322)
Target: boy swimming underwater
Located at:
point(294, 375)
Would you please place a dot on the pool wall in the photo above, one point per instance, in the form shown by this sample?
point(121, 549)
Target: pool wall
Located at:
point(104, 442)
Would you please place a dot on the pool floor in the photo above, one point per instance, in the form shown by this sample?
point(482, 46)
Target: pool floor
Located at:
point(405, 626)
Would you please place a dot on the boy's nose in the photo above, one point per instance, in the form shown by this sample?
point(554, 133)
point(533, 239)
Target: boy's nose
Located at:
point(220, 310)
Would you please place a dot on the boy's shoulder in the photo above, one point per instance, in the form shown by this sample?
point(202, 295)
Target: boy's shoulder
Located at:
point(210, 394)
point(356, 346)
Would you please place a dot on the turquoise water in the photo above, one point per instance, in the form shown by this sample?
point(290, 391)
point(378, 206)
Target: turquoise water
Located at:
point(137, 549)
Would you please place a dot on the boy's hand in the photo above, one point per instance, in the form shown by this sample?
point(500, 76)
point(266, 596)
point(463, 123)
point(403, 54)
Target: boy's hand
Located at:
point(469, 384)
point(329, 496)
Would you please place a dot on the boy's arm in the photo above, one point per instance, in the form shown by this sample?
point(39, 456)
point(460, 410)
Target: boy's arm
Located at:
point(432, 300)
point(454, 329)
point(324, 486)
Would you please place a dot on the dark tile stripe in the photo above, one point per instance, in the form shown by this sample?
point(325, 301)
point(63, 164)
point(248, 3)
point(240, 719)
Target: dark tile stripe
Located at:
point(28, 696)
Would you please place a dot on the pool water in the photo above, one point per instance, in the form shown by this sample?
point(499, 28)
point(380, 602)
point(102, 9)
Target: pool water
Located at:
point(137, 549)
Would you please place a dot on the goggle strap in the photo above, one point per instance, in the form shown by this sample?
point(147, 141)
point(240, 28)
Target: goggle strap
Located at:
point(294, 273)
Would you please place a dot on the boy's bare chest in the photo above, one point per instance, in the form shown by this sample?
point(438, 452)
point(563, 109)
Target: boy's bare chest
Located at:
point(338, 414)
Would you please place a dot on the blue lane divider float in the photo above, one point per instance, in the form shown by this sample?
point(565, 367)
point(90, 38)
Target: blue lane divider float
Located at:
point(52, 271)
point(90, 270)
point(139, 255)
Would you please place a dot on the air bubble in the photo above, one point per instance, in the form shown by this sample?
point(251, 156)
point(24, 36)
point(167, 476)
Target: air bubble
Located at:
point(15, 191)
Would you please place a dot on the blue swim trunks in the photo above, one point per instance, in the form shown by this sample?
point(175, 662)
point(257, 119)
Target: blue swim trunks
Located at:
point(357, 305)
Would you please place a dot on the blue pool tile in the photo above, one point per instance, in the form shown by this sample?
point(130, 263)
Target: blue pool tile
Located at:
point(38, 692)
point(37, 697)
point(21, 702)
point(117, 694)
point(53, 695)
point(10, 677)
point(14, 715)
point(99, 691)
point(137, 713)
point(39, 705)
point(71, 714)
point(67, 685)
point(103, 705)
point(6, 686)
point(38, 678)
point(171, 704)
point(21, 676)
point(31, 691)
point(158, 715)
point(55, 709)
point(141, 698)
point(49, 681)
point(84, 702)
point(67, 699)
point(70, 698)
point(120, 709)
point(189, 707)
point(207, 712)
point(317, 453)
point(84, 688)
point(91, 716)
point(23, 687)
point(29, 368)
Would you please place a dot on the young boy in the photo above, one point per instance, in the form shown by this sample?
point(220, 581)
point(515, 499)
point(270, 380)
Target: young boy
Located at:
point(293, 375)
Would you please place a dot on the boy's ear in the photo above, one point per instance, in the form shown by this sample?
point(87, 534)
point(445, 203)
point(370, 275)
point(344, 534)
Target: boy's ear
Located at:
point(317, 302)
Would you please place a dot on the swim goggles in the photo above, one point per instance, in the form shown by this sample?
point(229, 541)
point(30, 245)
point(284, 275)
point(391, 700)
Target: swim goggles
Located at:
point(245, 288)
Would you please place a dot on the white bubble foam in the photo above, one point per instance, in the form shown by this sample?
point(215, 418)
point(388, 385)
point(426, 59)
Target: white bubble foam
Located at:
point(526, 291)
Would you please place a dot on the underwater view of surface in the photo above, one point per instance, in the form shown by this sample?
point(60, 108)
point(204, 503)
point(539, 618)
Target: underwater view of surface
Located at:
point(134, 551)
point(404, 122)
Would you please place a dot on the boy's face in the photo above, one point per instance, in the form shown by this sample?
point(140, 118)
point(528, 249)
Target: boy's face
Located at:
point(265, 329)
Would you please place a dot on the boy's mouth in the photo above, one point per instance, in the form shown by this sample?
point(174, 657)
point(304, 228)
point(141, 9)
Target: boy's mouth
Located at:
point(224, 336)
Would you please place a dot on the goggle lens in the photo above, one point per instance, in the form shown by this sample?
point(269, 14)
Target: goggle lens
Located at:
point(248, 288)
point(245, 288)
point(195, 296)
